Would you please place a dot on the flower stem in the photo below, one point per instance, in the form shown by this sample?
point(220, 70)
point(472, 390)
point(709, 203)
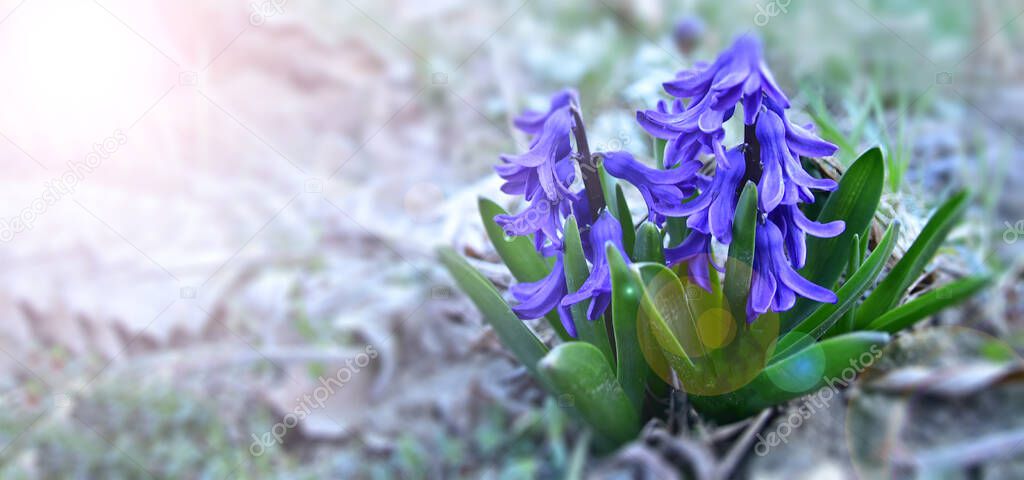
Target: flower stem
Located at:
point(751, 154)
point(588, 165)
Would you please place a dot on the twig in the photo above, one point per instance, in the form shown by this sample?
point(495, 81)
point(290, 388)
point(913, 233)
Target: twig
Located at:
point(728, 431)
point(732, 459)
point(965, 454)
point(696, 455)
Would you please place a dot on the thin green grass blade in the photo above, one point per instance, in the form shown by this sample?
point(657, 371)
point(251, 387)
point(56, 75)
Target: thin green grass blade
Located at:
point(578, 461)
point(895, 285)
point(818, 323)
point(924, 306)
point(846, 324)
point(827, 127)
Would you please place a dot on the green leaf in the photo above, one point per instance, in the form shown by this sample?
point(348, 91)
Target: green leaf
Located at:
point(658, 275)
point(831, 363)
point(517, 252)
point(707, 349)
point(512, 332)
point(915, 310)
point(608, 184)
point(895, 285)
point(675, 227)
point(578, 461)
point(576, 272)
point(865, 241)
point(816, 325)
point(585, 382)
point(659, 152)
point(677, 231)
point(630, 367)
point(739, 264)
point(827, 127)
point(853, 264)
point(854, 202)
point(649, 250)
point(519, 256)
point(625, 219)
point(649, 243)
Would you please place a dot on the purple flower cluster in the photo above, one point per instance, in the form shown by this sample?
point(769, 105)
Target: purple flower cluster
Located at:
point(544, 176)
point(693, 125)
point(598, 286)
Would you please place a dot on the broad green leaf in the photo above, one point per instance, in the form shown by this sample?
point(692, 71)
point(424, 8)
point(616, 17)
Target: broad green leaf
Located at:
point(819, 323)
point(519, 256)
point(625, 219)
point(512, 332)
point(649, 244)
point(854, 202)
point(895, 285)
point(517, 252)
point(739, 264)
point(832, 363)
point(630, 367)
point(707, 349)
point(657, 365)
point(654, 277)
point(584, 381)
point(576, 272)
point(919, 308)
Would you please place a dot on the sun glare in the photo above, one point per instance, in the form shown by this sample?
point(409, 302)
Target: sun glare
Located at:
point(73, 71)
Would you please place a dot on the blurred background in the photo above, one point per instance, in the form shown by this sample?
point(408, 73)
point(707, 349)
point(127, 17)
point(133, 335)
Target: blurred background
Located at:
point(218, 224)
